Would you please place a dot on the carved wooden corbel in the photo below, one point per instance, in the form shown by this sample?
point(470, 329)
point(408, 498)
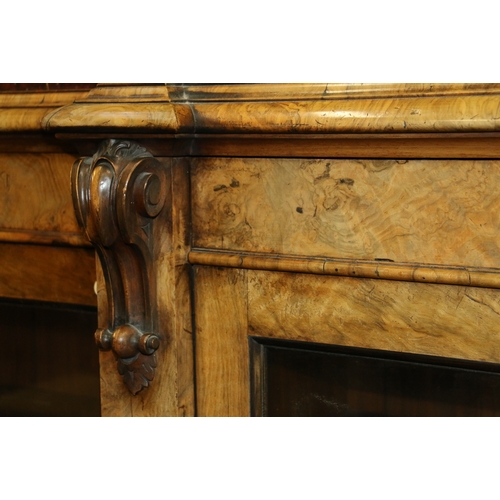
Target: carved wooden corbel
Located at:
point(117, 195)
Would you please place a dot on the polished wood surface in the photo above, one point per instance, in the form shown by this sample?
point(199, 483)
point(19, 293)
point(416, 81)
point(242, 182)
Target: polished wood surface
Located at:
point(25, 111)
point(346, 116)
point(118, 194)
point(284, 108)
point(391, 109)
point(420, 273)
point(142, 116)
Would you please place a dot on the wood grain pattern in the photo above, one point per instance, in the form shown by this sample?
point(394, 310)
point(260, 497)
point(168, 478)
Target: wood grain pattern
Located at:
point(111, 116)
point(176, 308)
point(22, 119)
point(25, 111)
point(222, 352)
point(42, 94)
point(393, 115)
point(35, 194)
point(440, 320)
point(52, 274)
point(439, 212)
point(19, 100)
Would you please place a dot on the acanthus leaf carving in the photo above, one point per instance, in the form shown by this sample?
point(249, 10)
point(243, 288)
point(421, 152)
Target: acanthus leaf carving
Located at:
point(117, 194)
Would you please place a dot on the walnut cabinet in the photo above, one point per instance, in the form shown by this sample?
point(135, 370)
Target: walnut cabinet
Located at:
point(288, 250)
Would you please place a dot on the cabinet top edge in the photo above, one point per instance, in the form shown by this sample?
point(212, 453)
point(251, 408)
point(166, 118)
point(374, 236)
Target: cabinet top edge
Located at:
point(291, 109)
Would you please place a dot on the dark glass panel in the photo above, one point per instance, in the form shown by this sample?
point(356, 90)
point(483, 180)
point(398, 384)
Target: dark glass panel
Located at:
point(314, 380)
point(49, 363)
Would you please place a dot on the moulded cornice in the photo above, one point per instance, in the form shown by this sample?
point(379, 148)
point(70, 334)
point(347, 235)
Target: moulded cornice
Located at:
point(289, 109)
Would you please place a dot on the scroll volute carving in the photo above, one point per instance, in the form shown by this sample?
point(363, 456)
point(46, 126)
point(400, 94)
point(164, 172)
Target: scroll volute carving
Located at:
point(117, 195)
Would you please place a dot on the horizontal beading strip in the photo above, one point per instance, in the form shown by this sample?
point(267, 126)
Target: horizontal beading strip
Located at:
point(422, 273)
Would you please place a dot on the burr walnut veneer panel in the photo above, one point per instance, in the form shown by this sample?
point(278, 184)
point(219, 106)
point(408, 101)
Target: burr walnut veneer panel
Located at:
point(426, 211)
point(440, 320)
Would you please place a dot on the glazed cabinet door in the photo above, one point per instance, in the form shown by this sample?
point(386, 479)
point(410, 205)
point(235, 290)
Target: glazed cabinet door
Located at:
point(297, 344)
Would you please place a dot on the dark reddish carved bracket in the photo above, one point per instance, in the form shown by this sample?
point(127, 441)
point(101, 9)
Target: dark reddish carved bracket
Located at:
point(117, 194)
